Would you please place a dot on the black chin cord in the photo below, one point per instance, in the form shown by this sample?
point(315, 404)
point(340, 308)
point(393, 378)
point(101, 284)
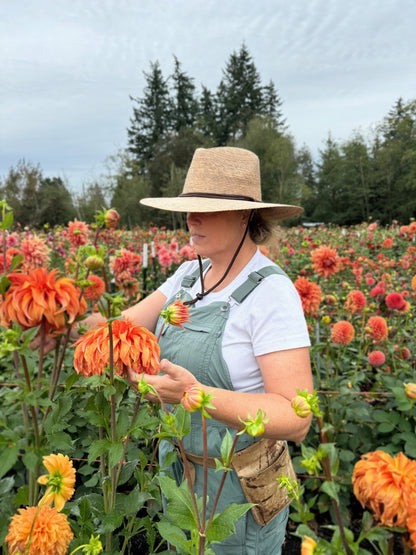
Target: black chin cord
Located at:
point(203, 293)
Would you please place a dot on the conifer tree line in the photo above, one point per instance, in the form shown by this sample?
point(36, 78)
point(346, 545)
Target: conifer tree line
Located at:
point(361, 178)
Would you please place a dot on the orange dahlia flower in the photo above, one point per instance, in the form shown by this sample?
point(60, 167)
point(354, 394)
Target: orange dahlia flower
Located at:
point(411, 522)
point(413, 283)
point(310, 295)
point(355, 301)
point(325, 261)
point(133, 346)
point(308, 546)
point(60, 481)
point(95, 290)
point(35, 253)
point(48, 531)
point(377, 328)
point(40, 297)
point(342, 333)
point(385, 485)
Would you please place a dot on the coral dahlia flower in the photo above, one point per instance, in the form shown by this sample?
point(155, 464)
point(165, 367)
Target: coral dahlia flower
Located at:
point(325, 261)
point(78, 233)
point(395, 301)
point(49, 532)
point(95, 290)
point(60, 481)
point(377, 328)
point(133, 346)
point(342, 333)
point(35, 253)
point(385, 485)
point(376, 358)
point(40, 297)
point(125, 261)
point(355, 301)
point(310, 295)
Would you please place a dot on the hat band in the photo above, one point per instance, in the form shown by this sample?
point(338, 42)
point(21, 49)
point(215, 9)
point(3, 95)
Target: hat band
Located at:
point(215, 195)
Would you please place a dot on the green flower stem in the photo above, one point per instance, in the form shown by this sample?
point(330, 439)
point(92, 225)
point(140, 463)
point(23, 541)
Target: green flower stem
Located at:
point(329, 478)
point(33, 410)
point(224, 475)
point(202, 532)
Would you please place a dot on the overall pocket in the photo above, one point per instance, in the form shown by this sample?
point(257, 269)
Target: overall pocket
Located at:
point(258, 467)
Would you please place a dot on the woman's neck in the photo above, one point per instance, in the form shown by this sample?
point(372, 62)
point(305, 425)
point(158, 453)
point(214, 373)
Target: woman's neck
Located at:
point(219, 266)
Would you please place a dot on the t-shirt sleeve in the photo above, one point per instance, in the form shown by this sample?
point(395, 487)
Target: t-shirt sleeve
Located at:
point(277, 320)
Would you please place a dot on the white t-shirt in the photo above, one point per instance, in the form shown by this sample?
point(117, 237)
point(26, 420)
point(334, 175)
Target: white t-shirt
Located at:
point(269, 319)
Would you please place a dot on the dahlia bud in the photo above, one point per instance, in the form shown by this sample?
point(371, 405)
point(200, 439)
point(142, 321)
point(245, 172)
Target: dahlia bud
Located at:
point(94, 263)
point(410, 390)
point(111, 218)
point(176, 314)
point(194, 398)
point(301, 406)
point(255, 426)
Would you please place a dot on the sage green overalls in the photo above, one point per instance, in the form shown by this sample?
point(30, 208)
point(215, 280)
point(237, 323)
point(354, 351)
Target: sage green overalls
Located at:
point(197, 348)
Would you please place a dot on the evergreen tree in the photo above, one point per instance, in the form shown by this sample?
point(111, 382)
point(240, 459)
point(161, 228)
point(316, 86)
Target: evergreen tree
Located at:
point(239, 96)
point(20, 190)
point(207, 117)
point(185, 105)
point(55, 203)
point(152, 116)
point(272, 106)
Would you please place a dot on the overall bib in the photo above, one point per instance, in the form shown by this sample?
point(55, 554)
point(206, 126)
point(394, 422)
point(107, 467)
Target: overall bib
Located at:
point(197, 348)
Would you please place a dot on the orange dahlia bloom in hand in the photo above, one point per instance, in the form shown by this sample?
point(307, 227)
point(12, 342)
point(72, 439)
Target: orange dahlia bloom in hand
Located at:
point(133, 346)
point(40, 297)
point(386, 485)
point(325, 260)
point(49, 532)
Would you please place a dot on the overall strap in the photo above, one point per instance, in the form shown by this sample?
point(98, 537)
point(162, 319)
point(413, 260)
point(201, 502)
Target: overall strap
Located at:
point(253, 280)
point(189, 280)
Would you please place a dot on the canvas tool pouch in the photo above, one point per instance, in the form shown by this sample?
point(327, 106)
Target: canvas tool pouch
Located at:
point(258, 466)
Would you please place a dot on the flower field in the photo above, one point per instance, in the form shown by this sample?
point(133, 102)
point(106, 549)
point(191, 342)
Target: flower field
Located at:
point(66, 406)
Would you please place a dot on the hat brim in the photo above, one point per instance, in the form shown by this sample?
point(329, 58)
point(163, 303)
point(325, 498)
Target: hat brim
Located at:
point(198, 204)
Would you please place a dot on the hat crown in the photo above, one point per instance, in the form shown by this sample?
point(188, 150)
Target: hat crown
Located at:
point(227, 171)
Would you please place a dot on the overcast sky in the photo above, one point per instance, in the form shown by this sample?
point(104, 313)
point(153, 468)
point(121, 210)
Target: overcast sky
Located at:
point(68, 68)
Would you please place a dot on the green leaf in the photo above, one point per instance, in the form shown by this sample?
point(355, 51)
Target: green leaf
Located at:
point(330, 488)
point(116, 453)
point(6, 485)
point(7, 221)
point(385, 427)
point(226, 446)
point(31, 460)
point(98, 448)
point(61, 441)
point(173, 534)
point(8, 457)
point(223, 524)
point(182, 421)
point(135, 500)
point(180, 508)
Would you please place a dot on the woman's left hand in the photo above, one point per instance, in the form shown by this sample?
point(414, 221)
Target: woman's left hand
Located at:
point(170, 386)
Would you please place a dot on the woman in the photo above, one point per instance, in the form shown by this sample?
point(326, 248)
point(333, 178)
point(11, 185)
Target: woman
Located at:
point(246, 342)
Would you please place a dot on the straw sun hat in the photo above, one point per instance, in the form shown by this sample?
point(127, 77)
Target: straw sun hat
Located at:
point(219, 179)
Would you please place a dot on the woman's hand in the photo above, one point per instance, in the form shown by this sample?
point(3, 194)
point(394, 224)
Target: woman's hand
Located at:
point(170, 386)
